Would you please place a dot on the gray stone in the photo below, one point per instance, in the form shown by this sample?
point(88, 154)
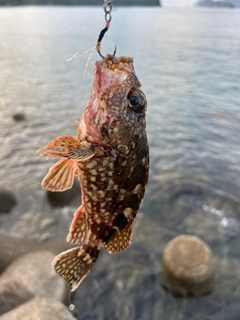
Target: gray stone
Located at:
point(39, 309)
point(188, 265)
point(12, 248)
point(62, 199)
point(34, 272)
point(12, 294)
point(18, 117)
point(7, 200)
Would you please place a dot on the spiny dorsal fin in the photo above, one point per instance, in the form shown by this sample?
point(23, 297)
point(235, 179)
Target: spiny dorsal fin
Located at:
point(60, 176)
point(73, 265)
point(78, 228)
point(67, 147)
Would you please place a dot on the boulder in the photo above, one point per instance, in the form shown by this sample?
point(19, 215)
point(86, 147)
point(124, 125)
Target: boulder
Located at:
point(33, 274)
point(7, 200)
point(39, 309)
point(12, 295)
point(12, 248)
point(188, 266)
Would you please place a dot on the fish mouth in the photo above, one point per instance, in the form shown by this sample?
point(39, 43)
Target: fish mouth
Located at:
point(111, 72)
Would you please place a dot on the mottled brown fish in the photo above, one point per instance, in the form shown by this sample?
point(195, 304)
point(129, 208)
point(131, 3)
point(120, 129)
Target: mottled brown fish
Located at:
point(110, 157)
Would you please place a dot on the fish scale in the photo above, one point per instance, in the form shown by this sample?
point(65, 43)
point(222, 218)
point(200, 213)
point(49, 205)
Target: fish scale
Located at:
point(111, 160)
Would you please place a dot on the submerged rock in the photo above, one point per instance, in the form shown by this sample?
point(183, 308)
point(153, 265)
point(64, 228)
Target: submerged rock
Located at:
point(7, 200)
point(188, 266)
point(18, 117)
point(39, 309)
point(12, 248)
point(34, 274)
point(62, 199)
point(12, 295)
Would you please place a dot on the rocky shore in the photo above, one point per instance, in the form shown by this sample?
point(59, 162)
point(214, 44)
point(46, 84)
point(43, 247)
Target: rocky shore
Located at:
point(146, 273)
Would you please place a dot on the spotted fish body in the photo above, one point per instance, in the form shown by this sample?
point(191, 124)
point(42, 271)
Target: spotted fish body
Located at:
point(110, 158)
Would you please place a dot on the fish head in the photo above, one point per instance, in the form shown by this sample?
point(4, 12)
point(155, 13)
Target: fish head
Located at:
point(117, 106)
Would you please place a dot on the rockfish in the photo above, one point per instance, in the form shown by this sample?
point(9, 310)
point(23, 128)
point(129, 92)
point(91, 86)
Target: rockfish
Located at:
point(111, 160)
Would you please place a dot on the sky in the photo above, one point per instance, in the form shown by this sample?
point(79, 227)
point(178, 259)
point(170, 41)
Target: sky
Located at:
point(178, 3)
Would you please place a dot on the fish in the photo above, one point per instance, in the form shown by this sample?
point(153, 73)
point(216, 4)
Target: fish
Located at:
point(110, 157)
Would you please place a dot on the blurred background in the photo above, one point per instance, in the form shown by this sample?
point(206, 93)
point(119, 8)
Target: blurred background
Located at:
point(187, 59)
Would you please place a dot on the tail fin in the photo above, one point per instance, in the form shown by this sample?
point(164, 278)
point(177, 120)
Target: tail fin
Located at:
point(73, 265)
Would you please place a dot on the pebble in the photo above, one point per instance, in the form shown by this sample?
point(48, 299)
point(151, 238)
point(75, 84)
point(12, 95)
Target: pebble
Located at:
point(18, 117)
point(39, 309)
point(7, 200)
point(188, 266)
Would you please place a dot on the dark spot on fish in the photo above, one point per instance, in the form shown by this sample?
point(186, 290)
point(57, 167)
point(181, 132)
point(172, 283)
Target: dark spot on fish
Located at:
point(138, 177)
point(104, 130)
point(120, 221)
point(108, 237)
point(101, 230)
point(134, 202)
point(92, 251)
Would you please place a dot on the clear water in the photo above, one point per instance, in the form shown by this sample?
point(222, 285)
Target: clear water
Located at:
point(188, 63)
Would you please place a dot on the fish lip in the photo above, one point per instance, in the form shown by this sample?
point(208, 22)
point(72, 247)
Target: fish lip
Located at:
point(109, 71)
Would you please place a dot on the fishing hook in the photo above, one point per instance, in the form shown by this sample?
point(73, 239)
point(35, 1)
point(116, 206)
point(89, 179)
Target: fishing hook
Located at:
point(107, 6)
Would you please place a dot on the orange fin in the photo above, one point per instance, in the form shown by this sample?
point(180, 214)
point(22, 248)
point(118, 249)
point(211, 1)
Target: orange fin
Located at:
point(67, 147)
point(73, 265)
point(60, 176)
point(120, 240)
point(78, 228)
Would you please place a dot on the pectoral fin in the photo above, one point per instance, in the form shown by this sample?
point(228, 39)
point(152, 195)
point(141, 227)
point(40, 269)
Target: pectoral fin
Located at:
point(60, 176)
point(68, 147)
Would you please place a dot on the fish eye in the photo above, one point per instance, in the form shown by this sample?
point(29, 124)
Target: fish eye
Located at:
point(137, 100)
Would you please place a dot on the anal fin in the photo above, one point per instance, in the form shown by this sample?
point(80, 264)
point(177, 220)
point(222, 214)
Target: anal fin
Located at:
point(60, 176)
point(78, 228)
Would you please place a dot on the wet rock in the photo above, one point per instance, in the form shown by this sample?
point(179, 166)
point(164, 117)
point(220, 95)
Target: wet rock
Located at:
point(39, 309)
point(33, 271)
point(12, 248)
point(7, 200)
point(62, 199)
point(188, 266)
point(12, 294)
point(18, 117)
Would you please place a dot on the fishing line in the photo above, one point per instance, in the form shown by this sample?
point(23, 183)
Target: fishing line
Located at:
point(71, 305)
point(107, 6)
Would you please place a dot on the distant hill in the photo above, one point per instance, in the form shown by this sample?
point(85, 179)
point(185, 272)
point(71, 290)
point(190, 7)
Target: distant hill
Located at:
point(135, 3)
point(82, 2)
point(214, 4)
point(236, 3)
